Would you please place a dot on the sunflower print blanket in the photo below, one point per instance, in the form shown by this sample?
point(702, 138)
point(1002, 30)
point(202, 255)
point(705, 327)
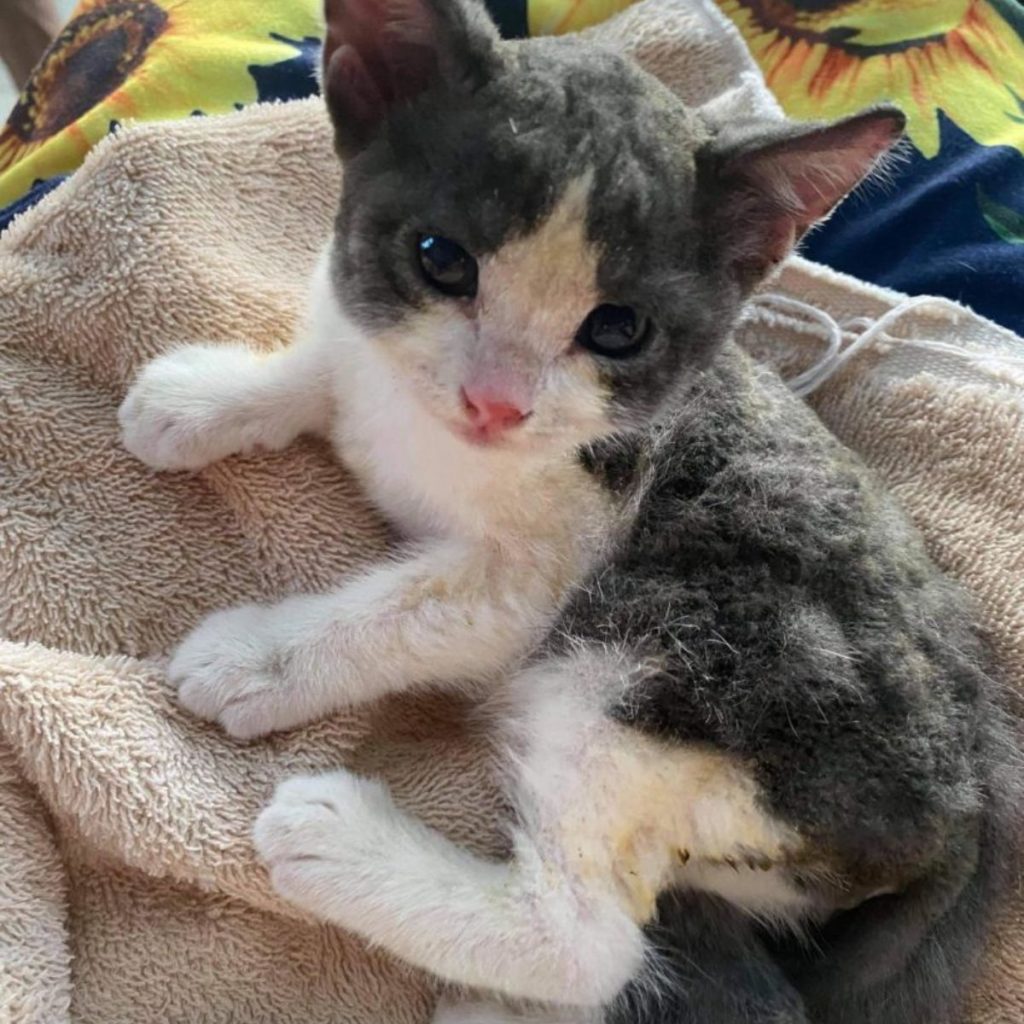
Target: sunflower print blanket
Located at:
point(951, 222)
point(149, 60)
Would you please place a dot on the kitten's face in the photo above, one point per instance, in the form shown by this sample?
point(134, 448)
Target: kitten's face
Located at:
point(529, 232)
point(532, 250)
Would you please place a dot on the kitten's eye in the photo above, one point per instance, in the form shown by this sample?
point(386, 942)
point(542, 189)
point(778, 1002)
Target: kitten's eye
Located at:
point(447, 266)
point(616, 332)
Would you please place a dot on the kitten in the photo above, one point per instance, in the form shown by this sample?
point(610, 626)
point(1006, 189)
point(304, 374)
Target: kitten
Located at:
point(758, 769)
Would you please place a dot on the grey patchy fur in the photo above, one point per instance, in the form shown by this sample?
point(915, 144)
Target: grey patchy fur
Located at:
point(795, 618)
point(799, 624)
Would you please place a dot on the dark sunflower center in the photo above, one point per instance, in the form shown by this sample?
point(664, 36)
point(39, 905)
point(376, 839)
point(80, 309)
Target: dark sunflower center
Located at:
point(89, 60)
point(817, 6)
point(857, 29)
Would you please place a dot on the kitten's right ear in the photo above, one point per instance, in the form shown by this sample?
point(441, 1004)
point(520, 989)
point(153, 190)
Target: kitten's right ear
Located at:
point(764, 183)
point(380, 53)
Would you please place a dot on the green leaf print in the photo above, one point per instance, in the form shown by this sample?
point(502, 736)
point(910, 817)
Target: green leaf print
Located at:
point(1007, 223)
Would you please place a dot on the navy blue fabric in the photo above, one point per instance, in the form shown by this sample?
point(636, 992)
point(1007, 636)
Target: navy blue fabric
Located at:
point(510, 17)
point(292, 79)
point(28, 200)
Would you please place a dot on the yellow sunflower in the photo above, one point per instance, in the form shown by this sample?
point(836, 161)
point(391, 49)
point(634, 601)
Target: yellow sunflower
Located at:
point(119, 60)
point(826, 58)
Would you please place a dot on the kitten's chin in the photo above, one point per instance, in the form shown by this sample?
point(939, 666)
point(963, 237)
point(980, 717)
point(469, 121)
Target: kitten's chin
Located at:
point(482, 439)
point(526, 447)
point(514, 442)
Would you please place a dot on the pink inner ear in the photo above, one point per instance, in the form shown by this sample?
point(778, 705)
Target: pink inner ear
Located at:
point(346, 71)
point(782, 189)
point(381, 49)
point(810, 174)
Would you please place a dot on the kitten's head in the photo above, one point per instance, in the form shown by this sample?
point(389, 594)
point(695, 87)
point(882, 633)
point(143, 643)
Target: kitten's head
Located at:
point(540, 238)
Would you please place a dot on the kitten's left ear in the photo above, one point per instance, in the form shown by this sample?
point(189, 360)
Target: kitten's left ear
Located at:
point(763, 185)
point(380, 53)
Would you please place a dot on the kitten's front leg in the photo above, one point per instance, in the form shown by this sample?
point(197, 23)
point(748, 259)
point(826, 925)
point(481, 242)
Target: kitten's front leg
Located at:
point(455, 611)
point(338, 847)
point(198, 404)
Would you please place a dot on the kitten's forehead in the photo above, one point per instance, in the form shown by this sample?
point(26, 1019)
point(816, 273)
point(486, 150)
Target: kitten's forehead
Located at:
point(606, 118)
point(537, 287)
point(497, 163)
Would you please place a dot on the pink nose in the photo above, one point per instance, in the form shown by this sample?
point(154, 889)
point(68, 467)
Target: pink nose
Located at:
point(489, 414)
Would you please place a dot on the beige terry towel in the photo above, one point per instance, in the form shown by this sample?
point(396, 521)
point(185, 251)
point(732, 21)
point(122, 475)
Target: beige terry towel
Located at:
point(128, 889)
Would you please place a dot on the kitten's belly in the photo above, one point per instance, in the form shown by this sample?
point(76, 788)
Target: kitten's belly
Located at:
point(613, 805)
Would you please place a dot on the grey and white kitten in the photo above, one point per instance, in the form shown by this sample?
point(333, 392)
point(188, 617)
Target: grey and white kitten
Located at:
point(758, 769)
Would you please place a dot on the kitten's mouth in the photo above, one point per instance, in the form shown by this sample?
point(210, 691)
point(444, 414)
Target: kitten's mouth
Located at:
point(481, 437)
point(490, 435)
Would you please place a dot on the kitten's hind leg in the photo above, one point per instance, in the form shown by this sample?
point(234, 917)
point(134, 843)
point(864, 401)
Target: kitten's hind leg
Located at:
point(197, 404)
point(338, 847)
point(707, 964)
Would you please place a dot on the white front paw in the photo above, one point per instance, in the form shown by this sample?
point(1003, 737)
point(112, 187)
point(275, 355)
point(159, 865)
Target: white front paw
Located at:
point(232, 669)
point(321, 837)
point(187, 408)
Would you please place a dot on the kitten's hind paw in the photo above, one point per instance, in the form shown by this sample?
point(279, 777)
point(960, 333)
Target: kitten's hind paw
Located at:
point(322, 837)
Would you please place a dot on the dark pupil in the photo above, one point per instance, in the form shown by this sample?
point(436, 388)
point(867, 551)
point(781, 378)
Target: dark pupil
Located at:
point(613, 331)
point(613, 326)
point(447, 265)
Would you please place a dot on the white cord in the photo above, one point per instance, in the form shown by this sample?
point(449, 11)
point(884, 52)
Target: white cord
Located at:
point(863, 332)
point(803, 383)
